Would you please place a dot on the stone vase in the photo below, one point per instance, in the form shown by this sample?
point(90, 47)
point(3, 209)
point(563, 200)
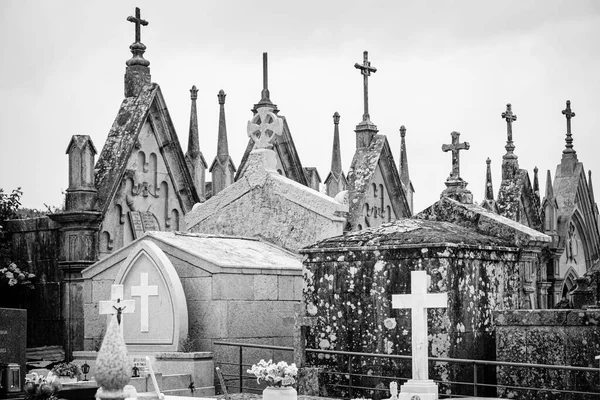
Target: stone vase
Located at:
point(280, 393)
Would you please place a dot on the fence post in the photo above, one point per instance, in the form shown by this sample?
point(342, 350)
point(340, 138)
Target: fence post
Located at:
point(241, 368)
point(474, 379)
point(351, 389)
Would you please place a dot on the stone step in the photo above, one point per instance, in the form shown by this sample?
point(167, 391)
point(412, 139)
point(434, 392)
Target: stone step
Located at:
point(175, 381)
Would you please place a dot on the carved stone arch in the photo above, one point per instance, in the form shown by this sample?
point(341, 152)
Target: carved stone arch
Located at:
point(578, 222)
point(570, 282)
point(389, 213)
point(106, 242)
point(141, 161)
point(153, 161)
point(175, 220)
point(170, 303)
point(374, 186)
point(164, 191)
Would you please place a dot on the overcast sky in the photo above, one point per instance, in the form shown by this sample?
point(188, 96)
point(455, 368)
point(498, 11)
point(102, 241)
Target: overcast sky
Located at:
point(441, 66)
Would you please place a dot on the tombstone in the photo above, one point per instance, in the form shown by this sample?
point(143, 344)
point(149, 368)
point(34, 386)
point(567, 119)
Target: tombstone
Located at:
point(160, 318)
point(420, 386)
point(13, 338)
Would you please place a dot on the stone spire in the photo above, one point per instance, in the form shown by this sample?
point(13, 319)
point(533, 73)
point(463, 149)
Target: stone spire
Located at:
point(550, 209)
point(194, 157)
point(404, 175)
point(536, 183)
point(510, 163)
point(222, 168)
point(489, 188)
point(569, 155)
point(265, 95)
point(137, 73)
point(456, 187)
point(336, 181)
point(365, 130)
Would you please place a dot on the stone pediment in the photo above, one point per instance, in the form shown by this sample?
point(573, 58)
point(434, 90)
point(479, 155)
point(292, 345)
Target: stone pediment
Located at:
point(373, 174)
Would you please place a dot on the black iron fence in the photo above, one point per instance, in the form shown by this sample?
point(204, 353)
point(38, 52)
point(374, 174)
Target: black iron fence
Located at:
point(349, 378)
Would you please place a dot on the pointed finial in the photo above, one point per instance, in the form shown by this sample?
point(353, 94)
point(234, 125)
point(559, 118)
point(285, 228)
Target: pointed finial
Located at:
point(137, 48)
point(590, 186)
point(536, 183)
point(336, 118)
point(569, 139)
point(489, 188)
point(194, 93)
point(402, 131)
point(549, 190)
point(221, 96)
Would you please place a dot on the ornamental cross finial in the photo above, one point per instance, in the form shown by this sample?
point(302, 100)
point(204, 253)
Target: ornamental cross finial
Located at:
point(138, 21)
point(365, 70)
point(569, 114)
point(264, 127)
point(455, 147)
point(510, 118)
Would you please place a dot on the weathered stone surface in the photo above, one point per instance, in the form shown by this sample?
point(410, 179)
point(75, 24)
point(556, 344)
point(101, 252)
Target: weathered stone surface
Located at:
point(349, 282)
point(231, 284)
point(556, 337)
point(266, 205)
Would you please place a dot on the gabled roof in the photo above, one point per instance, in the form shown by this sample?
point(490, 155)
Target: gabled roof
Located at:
point(362, 172)
point(574, 202)
point(212, 253)
point(286, 151)
point(122, 139)
point(517, 200)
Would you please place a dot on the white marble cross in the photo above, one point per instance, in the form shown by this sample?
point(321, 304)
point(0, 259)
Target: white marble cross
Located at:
point(144, 292)
point(116, 304)
point(419, 301)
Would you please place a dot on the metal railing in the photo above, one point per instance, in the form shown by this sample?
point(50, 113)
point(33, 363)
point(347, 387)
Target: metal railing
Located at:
point(352, 375)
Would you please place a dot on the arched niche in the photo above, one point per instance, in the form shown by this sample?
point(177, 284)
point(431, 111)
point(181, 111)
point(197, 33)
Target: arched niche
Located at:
point(160, 319)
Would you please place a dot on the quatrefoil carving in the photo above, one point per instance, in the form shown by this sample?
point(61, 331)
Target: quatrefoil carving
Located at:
point(264, 127)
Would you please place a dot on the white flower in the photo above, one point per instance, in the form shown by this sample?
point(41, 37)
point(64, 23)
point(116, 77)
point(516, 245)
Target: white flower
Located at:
point(389, 323)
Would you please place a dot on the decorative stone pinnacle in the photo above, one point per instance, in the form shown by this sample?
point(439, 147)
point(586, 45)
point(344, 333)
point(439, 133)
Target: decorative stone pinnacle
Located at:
point(365, 70)
point(510, 118)
point(568, 114)
point(488, 161)
point(137, 48)
point(221, 96)
point(194, 93)
point(455, 147)
point(113, 368)
point(264, 127)
point(336, 118)
point(402, 131)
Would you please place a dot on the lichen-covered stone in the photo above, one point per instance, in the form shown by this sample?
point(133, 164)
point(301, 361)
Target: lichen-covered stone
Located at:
point(349, 282)
point(555, 337)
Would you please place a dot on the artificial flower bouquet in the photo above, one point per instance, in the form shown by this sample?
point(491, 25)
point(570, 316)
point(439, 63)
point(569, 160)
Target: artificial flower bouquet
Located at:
point(38, 387)
point(276, 375)
point(68, 369)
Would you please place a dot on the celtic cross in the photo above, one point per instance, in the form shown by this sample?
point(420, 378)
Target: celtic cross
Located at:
point(365, 70)
point(569, 114)
point(137, 20)
point(264, 127)
point(455, 147)
point(510, 118)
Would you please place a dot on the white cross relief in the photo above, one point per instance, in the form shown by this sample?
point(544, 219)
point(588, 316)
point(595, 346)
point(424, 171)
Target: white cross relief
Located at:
point(116, 304)
point(419, 301)
point(144, 292)
point(264, 127)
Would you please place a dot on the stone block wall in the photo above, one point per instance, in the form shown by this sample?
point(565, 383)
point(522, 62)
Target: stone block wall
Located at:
point(350, 291)
point(555, 337)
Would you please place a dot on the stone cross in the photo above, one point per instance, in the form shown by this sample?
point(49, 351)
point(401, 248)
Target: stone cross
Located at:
point(365, 70)
point(455, 147)
point(419, 301)
point(569, 114)
point(137, 20)
point(144, 292)
point(510, 118)
point(116, 304)
point(300, 322)
point(264, 127)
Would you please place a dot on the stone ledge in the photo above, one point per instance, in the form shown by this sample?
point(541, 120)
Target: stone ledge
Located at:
point(547, 318)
